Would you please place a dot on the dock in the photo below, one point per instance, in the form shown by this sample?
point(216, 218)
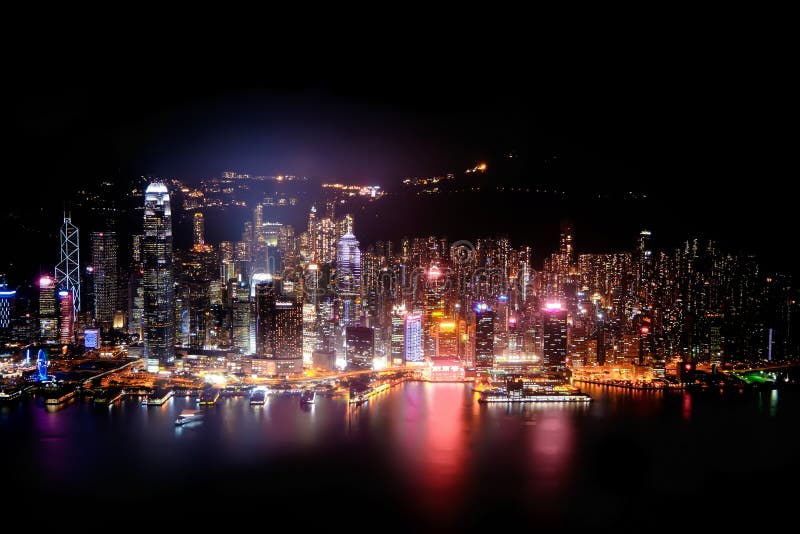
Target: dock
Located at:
point(158, 397)
point(59, 397)
point(209, 397)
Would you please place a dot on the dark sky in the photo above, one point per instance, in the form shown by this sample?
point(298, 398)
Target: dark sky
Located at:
point(707, 130)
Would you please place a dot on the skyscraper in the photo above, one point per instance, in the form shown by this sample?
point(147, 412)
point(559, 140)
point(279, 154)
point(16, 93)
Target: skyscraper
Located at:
point(398, 334)
point(67, 327)
point(159, 302)
point(104, 264)
point(413, 338)
point(7, 298)
point(68, 270)
point(434, 304)
point(360, 351)
point(484, 337)
point(309, 332)
point(348, 278)
point(48, 318)
point(198, 229)
point(241, 316)
point(279, 330)
point(554, 355)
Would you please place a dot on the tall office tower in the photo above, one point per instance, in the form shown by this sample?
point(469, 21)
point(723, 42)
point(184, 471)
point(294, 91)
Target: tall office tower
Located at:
point(484, 337)
point(258, 224)
point(566, 243)
point(313, 234)
point(325, 325)
point(446, 339)
point(137, 247)
point(645, 270)
point(7, 300)
point(413, 352)
point(67, 326)
point(68, 270)
point(309, 333)
point(348, 278)
point(48, 318)
point(398, 334)
point(104, 265)
point(360, 351)
point(241, 316)
point(158, 316)
point(433, 307)
point(279, 330)
point(198, 229)
point(554, 328)
point(136, 302)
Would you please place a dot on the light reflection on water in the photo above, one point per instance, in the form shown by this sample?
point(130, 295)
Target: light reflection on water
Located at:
point(432, 445)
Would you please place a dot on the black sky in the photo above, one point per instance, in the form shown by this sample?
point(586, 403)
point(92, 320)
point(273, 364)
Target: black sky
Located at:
point(706, 130)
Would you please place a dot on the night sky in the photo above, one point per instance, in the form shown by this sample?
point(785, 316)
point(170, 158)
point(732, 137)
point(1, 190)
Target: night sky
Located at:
point(703, 135)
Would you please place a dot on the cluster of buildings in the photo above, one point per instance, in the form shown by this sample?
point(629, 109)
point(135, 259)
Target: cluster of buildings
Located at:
point(278, 302)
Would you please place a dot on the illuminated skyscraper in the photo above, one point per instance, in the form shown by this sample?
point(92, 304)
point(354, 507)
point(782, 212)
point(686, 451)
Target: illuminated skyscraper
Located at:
point(360, 351)
point(446, 339)
point(348, 278)
point(554, 330)
point(279, 330)
point(413, 338)
point(159, 302)
point(104, 265)
point(7, 299)
point(48, 318)
point(309, 333)
point(67, 326)
point(398, 334)
point(433, 309)
point(484, 337)
point(68, 270)
point(241, 316)
point(198, 229)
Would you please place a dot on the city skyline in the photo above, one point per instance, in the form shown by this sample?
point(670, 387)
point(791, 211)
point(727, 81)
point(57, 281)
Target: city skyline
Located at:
point(444, 303)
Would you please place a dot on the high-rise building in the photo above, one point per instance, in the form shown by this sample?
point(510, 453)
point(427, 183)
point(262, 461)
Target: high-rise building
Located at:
point(446, 340)
point(309, 333)
point(279, 330)
point(68, 270)
point(398, 334)
point(48, 318)
point(554, 328)
point(158, 291)
point(434, 306)
point(67, 326)
point(104, 271)
point(348, 278)
point(241, 315)
point(484, 337)
point(198, 229)
point(7, 300)
point(413, 352)
point(360, 351)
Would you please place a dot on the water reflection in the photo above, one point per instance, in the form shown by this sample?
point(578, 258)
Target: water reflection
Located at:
point(425, 449)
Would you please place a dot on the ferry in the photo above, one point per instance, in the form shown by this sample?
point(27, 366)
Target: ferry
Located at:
point(188, 416)
point(496, 396)
point(308, 396)
point(258, 398)
point(209, 397)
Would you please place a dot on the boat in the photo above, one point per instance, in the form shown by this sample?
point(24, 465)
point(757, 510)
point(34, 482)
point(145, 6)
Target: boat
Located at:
point(258, 398)
point(512, 397)
point(188, 416)
point(308, 396)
